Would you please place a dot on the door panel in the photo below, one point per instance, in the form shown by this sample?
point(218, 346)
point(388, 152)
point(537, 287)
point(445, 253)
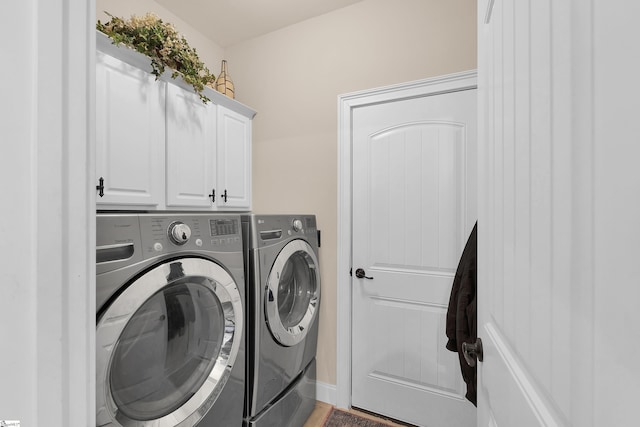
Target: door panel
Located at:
point(419, 166)
point(529, 307)
point(413, 208)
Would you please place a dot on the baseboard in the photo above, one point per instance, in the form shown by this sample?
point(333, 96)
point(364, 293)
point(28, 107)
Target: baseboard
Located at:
point(326, 393)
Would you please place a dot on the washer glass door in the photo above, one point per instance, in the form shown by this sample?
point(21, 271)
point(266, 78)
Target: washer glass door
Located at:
point(166, 345)
point(293, 293)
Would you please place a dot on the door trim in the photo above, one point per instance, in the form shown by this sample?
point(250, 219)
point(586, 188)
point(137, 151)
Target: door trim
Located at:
point(346, 104)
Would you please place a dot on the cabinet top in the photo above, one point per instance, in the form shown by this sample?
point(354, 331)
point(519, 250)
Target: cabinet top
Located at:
point(105, 45)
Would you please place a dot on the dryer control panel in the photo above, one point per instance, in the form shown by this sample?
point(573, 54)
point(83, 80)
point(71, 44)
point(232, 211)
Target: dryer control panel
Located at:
point(272, 229)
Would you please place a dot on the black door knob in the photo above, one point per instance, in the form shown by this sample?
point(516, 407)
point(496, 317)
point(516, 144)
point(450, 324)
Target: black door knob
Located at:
point(472, 351)
point(361, 274)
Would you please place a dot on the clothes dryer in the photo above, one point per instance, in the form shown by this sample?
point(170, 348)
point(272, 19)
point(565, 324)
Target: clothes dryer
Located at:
point(283, 295)
point(170, 319)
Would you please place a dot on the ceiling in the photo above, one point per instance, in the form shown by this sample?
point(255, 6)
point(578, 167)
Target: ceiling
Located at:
point(227, 22)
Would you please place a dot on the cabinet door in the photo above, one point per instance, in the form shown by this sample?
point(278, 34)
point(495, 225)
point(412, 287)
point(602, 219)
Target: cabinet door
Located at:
point(191, 154)
point(234, 160)
point(129, 134)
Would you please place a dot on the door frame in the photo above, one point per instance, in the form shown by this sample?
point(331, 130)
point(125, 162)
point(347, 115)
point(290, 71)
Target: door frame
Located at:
point(51, 210)
point(346, 104)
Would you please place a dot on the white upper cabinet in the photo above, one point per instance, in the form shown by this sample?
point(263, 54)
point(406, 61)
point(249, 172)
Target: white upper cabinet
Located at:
point(191, 149)
point(130, 134)
point(234, 160)
point(159, 146)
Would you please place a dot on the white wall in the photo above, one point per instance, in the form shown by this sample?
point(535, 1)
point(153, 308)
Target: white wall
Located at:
point(292, 77)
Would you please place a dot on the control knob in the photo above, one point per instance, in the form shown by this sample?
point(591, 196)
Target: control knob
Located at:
point(179, 233)
point(297, 225)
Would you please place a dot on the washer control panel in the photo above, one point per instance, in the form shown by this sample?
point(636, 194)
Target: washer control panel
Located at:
point(164, 234)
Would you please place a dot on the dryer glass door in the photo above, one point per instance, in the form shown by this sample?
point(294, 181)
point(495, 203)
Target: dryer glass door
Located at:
point(166, 350)
point(166, 344)
point(293, 293)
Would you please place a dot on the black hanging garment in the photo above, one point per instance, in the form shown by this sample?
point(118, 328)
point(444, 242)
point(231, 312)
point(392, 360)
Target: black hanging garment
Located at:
point(462, 314)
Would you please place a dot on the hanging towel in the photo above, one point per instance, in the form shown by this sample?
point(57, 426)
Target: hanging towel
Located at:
point(461, 314)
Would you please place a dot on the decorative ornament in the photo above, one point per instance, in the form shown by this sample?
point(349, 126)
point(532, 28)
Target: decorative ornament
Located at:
point(224, 84)
point(162, 43)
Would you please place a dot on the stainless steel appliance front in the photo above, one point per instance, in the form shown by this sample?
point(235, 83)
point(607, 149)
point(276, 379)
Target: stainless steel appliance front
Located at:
point(169, 335)
point(283, 292)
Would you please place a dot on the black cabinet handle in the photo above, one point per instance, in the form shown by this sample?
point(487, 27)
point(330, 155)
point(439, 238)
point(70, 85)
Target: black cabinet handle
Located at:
point(100, 187)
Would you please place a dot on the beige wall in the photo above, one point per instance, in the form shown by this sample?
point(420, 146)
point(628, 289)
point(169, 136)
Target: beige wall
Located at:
point(209, 52)
point(293, 76)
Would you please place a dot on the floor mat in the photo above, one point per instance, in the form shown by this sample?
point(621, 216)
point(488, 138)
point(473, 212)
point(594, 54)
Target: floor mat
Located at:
point(338, 418)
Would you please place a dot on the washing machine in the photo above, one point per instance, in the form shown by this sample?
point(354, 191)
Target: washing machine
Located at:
point(170, 347)
point(283, 297)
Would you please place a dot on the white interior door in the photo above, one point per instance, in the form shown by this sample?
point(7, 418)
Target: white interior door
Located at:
point(535, 232)
point(414, 205)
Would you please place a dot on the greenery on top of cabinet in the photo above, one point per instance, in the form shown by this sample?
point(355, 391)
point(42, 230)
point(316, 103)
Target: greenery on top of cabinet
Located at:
point(161, 42)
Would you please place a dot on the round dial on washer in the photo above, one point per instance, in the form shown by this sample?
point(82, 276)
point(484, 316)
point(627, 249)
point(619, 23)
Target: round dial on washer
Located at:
point(179, 233)
point(297, 225)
